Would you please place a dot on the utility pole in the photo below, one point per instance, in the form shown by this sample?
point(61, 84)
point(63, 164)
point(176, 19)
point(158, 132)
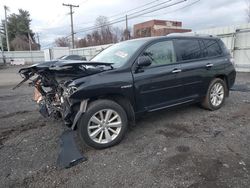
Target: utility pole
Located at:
point(71, 17)
point(126, 30)
point(30, 45)
point(1, 40)
point(4, 61)
point(38, 40)
point(29, 41)
point(6, 29)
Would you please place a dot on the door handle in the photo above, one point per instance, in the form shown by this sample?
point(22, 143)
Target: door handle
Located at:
point(176, 70)
point(209, 65)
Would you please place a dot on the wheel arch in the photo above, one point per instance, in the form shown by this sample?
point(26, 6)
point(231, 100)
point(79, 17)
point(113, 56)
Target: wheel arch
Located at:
point(123, 101)
point(225, 79)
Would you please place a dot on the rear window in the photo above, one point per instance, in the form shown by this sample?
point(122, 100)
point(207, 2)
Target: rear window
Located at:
point(188, 49)
point(212, 48)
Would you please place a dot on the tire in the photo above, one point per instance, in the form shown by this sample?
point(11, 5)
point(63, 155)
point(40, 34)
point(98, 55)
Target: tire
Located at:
point(208, 102)
point(95, 122)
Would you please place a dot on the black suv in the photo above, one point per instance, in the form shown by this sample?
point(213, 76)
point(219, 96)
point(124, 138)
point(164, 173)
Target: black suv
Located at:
point(101, 97)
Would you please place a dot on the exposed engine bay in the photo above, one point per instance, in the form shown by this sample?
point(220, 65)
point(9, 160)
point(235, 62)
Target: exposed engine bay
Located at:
point(53, 83)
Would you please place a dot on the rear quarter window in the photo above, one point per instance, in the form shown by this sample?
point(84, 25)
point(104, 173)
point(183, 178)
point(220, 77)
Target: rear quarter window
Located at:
point(223, 47)
point(212, 48)
point(188, 49)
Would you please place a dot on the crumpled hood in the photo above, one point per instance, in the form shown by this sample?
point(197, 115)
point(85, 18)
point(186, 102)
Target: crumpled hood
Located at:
point(64, 69)
point(60, 65)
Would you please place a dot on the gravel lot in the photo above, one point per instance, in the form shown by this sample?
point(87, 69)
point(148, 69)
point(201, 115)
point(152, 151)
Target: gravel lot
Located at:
point(184, 147)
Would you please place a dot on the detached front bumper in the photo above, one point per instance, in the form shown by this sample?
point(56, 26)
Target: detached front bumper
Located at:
point(73, 111)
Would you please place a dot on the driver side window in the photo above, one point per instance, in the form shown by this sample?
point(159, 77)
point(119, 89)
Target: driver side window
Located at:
point(161, 53)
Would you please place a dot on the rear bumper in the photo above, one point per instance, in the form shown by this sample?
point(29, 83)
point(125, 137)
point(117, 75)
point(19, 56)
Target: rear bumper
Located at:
point(231, 79)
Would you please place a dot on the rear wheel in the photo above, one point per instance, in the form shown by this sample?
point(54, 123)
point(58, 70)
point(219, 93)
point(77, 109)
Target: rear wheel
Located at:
point(103, 124)
point(216, 94)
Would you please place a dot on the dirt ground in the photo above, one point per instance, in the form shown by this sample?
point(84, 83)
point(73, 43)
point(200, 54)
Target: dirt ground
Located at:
point(184, 147)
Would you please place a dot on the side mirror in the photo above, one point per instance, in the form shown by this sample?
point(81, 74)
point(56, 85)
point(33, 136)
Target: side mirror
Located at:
point(143, 61)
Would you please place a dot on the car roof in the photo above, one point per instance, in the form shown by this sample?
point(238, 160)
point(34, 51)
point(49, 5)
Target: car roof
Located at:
point(191, 34)
point(176, 36)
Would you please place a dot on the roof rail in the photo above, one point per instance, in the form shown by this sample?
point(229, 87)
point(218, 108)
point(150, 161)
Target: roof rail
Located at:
point(189, 34)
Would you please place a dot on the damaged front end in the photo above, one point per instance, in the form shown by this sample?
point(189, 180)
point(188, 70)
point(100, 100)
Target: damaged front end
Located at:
point(53, 82)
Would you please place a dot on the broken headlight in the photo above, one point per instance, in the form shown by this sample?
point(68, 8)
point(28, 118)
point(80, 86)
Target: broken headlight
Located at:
point(70, 90)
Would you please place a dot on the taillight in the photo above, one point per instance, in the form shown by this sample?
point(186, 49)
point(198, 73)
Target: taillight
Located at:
point(232, 60)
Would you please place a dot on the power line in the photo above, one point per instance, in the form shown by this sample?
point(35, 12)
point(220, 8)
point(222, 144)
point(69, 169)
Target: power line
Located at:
point(115, 15)
point(92, 22)
point(151, 7)
point(133, 16)
point(123, 19)
point(139, 10)
point(129, 18)
point(126, 12)
point(49, 44)
point(186, 6)
point(83, 2)
point(123, 13)
point(71, 18)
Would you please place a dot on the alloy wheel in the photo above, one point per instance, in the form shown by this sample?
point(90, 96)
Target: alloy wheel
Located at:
point(217, 94)
point(104, 126)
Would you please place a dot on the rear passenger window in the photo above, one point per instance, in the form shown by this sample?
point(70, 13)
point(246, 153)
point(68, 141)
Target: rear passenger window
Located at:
point(189, 49)
point(161, 53)
point(74, 57)
point(212, 48)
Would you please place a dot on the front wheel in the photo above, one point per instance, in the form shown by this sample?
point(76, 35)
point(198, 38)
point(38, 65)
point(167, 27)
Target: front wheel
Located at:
point(103, 124)
point(216, 94)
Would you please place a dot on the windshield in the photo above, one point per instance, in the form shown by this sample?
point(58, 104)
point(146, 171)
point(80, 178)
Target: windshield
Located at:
point(119, 53)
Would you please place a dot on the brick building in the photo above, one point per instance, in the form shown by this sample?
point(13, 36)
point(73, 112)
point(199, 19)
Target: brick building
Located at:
point(158, 28)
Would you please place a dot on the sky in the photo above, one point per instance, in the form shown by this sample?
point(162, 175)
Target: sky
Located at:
point(52, 20)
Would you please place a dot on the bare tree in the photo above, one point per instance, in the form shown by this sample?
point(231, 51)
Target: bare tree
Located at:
point(104, 29)
point(103, 34)
point(89, 40)
point(81, 43)
point(96, 37)
point(117, 34)
point(127, 34)
point(21, 42)
point(62, 42)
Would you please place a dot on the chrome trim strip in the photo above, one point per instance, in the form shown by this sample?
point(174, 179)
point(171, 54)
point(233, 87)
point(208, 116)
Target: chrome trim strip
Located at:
point(168, 106)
